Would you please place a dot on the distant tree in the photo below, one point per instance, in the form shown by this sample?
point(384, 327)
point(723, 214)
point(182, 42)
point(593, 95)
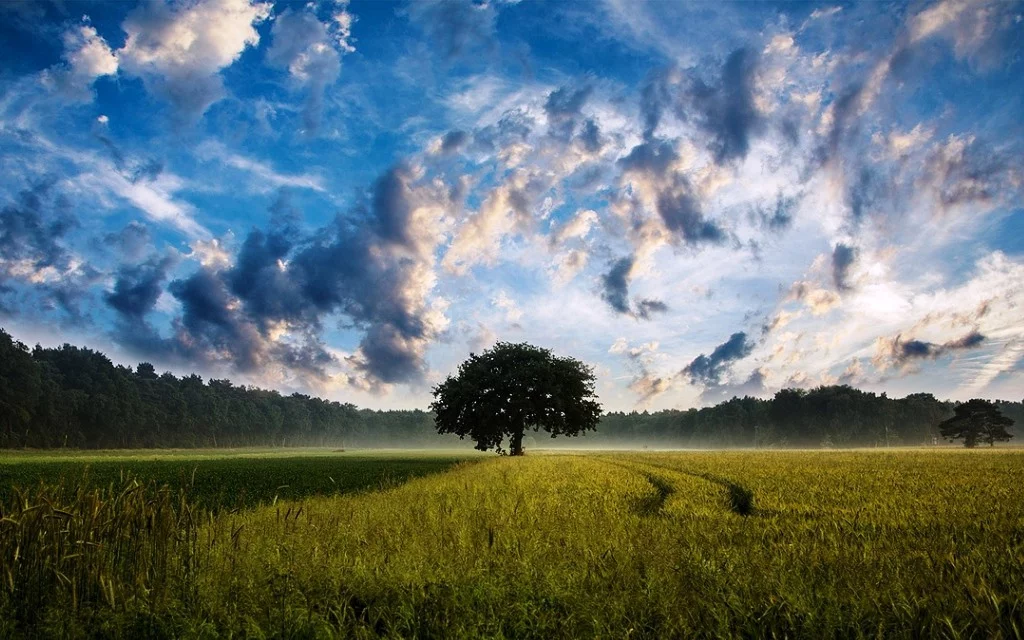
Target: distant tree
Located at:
point(514, 387)
point(976, 420)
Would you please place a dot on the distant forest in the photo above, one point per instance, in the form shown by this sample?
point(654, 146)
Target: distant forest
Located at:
point(76, 397)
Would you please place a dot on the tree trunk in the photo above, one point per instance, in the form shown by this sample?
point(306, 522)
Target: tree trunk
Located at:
point(516, 444)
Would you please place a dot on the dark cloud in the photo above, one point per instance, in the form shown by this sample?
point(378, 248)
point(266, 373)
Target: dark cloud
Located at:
point(32, 233)
point(726, 110)
point(212, 324)
point(363, 267)
point(615, 285)
point(843, 257)
point(453, 141)
point(754, 386)
point(258, 279)
point(655, 97)
point(115, 152)
point(147, 171)
point(285, 217)
point(863, 191)
point(676, 203)
point(564, 108)
point(589, 177)
point(967, 341)
point(32, 227)
point(647, 307)
point(134, 171)
point(565, 103)
point(138, 286)
point(590, 137)
point(964, 171)
point(69, 293)
point(652, 157)
point(310, 357)
point(131, 241)
point(386, 357)
point(457, 27)
point(779, 217)
point(680, 209)
point(918, 349)
point(901, 353)
point(844, 123)
point(707, 370)
point(515, 125)
point(392, 205)
point(189, 91)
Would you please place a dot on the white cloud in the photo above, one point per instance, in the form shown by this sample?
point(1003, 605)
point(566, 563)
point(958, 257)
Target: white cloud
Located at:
point(513, 313)
point(87, 56)
point(898, 145)
point(211, 254)
point(567, 265)
point(265, 177)
point(576, 227)
point(478, 238)
point(156, 199)
point(179, 50)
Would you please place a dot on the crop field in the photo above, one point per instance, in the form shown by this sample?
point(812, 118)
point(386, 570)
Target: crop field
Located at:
point(230, 479)
point(808, 544)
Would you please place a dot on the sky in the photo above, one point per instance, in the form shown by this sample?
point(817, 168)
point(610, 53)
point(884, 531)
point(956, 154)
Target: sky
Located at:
point(346, 199)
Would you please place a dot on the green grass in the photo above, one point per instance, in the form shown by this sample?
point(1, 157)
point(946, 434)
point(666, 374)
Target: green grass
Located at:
point(228, 478)
point(711, 544)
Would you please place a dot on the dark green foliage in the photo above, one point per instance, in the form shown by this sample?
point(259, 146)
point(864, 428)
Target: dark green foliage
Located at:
point(72, 548)
point(835, 416)
point(513, 387)
point(231, 482)
point(977, 421)
point(76, 397)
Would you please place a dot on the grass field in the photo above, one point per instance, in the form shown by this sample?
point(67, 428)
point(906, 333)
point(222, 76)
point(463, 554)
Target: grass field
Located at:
point(712, 544)
point(227, 478)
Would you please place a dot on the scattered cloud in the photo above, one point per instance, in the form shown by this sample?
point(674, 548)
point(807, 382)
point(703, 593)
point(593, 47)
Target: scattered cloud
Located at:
point(812, 177)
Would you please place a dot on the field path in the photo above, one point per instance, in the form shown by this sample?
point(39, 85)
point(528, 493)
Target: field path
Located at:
point(739, 499)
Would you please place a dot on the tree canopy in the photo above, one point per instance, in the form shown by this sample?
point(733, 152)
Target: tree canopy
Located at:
point(514, 387)
point(976, 420)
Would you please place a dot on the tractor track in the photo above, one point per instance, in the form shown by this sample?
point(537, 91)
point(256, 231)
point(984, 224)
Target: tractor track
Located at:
point(739, 499)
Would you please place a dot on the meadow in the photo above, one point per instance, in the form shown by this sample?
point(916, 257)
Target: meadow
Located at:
point(902, 543)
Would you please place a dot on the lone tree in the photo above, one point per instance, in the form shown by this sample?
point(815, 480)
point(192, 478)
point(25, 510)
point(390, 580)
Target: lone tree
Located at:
point(514, 387)
point(976, 421)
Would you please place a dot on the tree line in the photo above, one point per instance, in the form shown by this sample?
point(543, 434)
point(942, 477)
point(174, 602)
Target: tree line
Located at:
point(72, 396)
point(826, 416)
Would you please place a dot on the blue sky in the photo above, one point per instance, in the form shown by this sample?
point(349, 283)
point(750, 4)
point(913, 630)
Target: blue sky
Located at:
point(347, 198)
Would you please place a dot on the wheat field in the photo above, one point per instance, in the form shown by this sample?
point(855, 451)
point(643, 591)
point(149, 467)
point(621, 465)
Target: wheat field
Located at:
point(906, 543)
